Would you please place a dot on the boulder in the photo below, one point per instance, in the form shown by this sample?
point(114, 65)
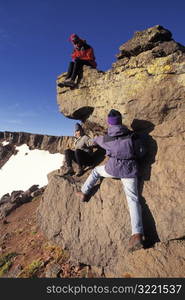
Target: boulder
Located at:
point(164, 260)
point(96, 232)
point(145, 40)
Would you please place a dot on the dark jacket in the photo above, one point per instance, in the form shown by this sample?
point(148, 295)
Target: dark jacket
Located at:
point(121, 163)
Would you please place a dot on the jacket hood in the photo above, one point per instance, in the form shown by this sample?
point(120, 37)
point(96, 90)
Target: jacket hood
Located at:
point(116, 130)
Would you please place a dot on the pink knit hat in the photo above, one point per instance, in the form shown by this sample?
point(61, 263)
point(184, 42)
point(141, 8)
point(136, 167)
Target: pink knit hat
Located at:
point(73, 37)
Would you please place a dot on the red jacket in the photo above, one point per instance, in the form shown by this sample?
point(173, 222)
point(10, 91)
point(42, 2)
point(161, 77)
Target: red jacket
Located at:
point(85, 52)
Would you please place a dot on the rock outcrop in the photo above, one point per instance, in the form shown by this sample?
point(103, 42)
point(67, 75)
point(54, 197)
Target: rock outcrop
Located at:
point(8, 202)
point(96, 233)
point(147, 85)
point(6, 152)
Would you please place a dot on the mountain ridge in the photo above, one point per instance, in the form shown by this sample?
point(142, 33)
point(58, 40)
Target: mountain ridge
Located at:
point(54, 144)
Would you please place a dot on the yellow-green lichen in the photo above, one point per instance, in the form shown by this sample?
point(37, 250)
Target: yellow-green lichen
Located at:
point(56, 252)
point(6, 262)
point(31, 270)
point(142, 76)
point(159, 66)
point(130, 72)
point(4, 269)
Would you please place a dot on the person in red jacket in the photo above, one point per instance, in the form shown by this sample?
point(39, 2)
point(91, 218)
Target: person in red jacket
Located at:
point(83, 54)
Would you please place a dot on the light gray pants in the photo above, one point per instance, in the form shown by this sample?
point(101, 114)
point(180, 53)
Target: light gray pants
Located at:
point(131, 192)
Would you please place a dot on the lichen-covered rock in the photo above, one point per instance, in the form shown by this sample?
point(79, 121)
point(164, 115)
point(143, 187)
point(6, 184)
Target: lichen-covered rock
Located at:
point(148, 85)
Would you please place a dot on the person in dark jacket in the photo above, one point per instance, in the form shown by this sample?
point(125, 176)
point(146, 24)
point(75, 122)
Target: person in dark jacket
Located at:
point(83, 54)
point(82, 153)
point(121, 164)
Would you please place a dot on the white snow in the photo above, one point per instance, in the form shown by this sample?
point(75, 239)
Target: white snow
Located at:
point(5, 143)
point(26, 168)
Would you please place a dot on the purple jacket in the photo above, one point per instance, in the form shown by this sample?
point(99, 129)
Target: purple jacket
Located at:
point(121, 163)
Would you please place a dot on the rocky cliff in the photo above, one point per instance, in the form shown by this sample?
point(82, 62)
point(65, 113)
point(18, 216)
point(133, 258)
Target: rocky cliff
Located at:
point(147, 85)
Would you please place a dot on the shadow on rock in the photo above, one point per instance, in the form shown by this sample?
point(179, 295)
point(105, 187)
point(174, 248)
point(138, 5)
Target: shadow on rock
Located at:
point(149, 225)
point(143, 128)
point(83, 113)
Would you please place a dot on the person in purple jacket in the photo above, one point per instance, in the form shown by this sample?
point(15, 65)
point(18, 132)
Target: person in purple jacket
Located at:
point(121, 164)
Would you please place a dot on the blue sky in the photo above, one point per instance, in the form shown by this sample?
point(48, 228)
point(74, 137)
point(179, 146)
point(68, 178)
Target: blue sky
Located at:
point(34, 50)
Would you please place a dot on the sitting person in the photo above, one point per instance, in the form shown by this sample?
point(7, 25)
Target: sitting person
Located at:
point(82, 153)
point(121, 164)
point(83, 54)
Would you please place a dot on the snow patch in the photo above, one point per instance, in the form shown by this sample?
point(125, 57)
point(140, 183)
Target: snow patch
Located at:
point(5, 143)
point(28, 167)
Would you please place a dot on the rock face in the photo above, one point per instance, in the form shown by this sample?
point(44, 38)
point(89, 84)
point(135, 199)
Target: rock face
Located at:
point(164, 260)
point(147, 85)
point(8, 202)
point(53, 144)
point(6, 152)
point(96, 233)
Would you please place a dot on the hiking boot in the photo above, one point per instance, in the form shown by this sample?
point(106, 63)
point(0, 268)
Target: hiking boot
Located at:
point(70, 171)
point(61, 84)
point(80, 172)
point(135, 242)
point(69, 83)
point(83, 197)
